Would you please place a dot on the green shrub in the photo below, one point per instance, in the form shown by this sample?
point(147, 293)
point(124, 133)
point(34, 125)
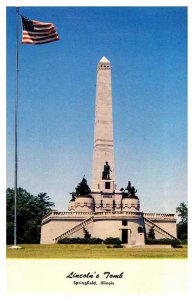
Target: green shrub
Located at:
point(174, 243)
point(112, 241)
point(117, 246)
point(80, 241)
point(95, 241)
point(184, 242)
point(151, 234)
point(87, 235)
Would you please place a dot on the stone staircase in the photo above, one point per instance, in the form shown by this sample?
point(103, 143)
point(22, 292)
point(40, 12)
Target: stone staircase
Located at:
point(159, 229)
point(74, 229)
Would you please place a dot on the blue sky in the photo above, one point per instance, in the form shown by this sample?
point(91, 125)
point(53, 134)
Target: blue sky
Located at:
point(147, 47)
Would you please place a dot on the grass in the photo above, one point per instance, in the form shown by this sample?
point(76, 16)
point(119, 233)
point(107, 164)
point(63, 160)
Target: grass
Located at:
point(73, 251)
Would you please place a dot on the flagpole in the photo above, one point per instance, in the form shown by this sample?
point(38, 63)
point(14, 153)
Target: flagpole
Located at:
point(16, 136)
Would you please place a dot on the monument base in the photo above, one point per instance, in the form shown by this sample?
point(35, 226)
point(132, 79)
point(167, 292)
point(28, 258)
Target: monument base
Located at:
point(130, 227)
point(15, 247)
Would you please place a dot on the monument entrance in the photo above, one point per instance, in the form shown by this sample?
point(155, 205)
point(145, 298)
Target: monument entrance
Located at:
point(124, 236)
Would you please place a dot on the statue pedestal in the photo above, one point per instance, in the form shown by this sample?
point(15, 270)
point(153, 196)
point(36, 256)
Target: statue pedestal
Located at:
point(107, 186)
point(130, 204)
point(84, 204)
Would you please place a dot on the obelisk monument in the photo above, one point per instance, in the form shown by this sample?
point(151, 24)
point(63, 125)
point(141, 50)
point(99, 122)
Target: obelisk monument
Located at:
point(103, 129)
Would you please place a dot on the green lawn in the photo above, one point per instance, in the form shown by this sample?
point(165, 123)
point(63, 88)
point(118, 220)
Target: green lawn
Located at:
point(92, 251)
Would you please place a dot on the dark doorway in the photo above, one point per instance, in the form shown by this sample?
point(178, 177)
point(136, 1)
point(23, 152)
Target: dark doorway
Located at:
point(124, 236)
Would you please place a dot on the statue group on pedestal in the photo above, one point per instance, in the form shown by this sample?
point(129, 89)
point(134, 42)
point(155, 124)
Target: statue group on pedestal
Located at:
point(129, 191)
point(82, 189)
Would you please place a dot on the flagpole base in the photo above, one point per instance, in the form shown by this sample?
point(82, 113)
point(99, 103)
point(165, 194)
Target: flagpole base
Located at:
point(15, 247)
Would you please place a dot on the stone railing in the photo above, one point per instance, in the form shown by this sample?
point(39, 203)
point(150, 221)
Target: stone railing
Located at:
point(152, 216)
point(160, 216)
point(118, 214)
point(59, 215)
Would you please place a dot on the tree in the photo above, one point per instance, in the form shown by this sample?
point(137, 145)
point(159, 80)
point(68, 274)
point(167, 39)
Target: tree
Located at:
point(151, 234)
point(30, 211)
point(87, 235)
point(182, 226)
point(182, 211)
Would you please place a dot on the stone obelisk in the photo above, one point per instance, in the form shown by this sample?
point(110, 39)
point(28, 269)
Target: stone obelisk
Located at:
point(103, 128)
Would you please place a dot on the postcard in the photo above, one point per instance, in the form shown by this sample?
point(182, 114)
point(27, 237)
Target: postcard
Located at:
point(97, 117)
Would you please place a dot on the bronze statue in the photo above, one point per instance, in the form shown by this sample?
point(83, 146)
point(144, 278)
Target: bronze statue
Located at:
point(73, 194)
point(106, 172)
point(128, 188)
point(82, 188)
point(130, 191)
point(133, 191)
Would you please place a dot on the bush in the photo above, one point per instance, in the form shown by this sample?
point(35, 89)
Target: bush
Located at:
point(151, 234)
point(174, 243)
point(117, 246)
point(87, 235)
point(95, 241)
point(184, 242)
point(177, 246)
point(112, 241)
point(80, 241)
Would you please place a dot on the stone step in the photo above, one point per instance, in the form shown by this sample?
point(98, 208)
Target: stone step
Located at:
point(148, 246)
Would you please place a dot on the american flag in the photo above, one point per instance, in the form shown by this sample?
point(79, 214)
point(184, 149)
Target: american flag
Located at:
point(35, 32)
